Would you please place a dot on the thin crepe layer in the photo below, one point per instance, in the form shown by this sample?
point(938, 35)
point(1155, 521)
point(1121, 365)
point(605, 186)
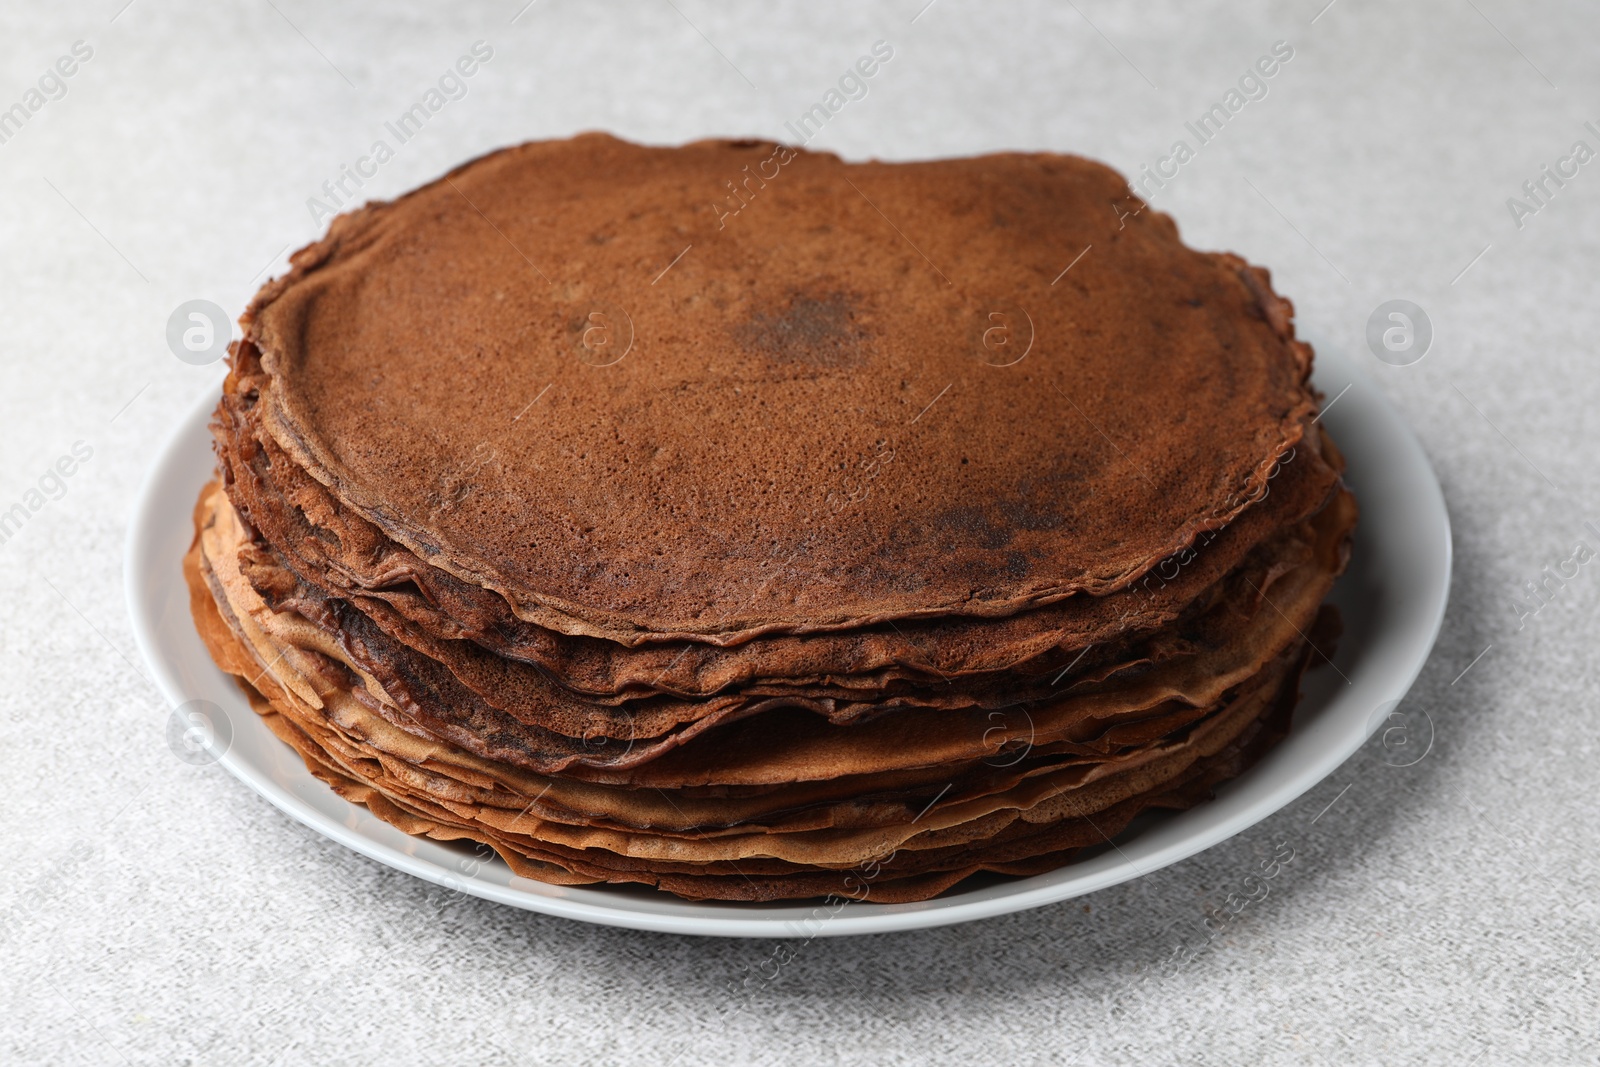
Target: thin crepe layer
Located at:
point(672, 494)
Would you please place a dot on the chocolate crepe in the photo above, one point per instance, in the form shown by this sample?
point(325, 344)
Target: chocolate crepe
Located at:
point(767, 578)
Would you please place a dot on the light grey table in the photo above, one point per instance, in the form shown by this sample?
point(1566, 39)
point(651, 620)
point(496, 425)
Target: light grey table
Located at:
point(1444, 912)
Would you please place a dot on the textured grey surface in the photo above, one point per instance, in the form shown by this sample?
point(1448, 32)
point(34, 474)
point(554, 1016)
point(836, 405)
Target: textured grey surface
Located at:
point(1444, 912)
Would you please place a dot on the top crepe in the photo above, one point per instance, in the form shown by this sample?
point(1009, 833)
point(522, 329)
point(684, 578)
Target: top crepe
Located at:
point(803, 424)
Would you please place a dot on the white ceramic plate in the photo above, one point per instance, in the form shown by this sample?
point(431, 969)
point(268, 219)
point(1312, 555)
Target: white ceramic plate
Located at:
point(1392, 599)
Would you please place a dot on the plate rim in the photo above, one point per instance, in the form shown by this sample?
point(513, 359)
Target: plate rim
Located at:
point(151, 515)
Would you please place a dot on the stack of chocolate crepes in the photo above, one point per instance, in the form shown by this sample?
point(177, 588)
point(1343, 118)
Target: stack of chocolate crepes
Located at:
point(742, 522)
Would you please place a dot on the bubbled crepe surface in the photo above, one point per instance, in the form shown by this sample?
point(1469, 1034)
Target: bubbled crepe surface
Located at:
point(684, 491)
point(631, 630)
